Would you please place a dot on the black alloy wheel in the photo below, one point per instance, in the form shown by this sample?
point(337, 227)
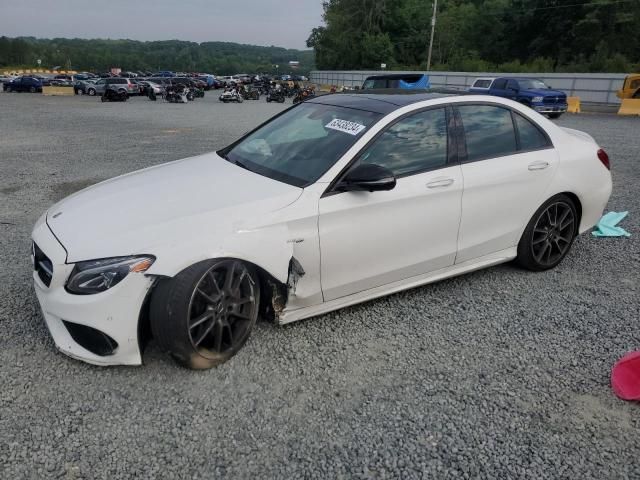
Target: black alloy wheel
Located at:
point(205, 314)
point(549, 235)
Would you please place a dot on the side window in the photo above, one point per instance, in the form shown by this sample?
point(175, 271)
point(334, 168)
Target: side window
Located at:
point(500, 84)
point(413, 144)
point(531, 138)
point(488, 131)
point(512, 84)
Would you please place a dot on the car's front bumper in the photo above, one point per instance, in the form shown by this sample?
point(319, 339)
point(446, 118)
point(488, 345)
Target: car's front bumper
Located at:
point(560, 108)
point(114, 313)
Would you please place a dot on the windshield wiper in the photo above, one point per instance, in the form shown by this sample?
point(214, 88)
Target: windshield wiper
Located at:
point(242, 165)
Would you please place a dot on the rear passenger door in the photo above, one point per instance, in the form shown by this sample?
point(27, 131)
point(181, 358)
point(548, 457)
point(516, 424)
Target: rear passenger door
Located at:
point(507, 165)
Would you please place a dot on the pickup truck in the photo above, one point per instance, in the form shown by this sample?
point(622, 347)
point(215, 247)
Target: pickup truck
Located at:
point(528, 91)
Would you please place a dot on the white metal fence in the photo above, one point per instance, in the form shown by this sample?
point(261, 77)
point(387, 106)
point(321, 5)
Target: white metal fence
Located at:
point(598, 88)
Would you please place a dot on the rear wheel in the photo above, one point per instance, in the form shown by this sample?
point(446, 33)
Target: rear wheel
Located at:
point(205, 314)
point(32, 89)
point(555, 115)
point(549, 234)
point(91, 91)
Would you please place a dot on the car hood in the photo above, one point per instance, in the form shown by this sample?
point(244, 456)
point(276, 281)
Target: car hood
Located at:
point(545, 92)
point(145, 210)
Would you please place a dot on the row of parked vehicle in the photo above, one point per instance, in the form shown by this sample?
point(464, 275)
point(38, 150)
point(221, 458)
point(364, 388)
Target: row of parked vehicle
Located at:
point(274, 91)
point(529, 91)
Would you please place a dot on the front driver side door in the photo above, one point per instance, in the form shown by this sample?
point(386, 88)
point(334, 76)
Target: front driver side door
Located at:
point(370, 239)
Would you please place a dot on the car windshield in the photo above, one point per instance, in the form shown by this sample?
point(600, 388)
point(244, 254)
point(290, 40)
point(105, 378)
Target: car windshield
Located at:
point(300, 145)
point(532, 84)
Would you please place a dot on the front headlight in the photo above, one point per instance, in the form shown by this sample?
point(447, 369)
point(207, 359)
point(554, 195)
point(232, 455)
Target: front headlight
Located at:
point(536, 99)
point(96, 276)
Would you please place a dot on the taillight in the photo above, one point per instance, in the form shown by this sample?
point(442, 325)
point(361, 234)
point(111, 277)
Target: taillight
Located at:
point(604, 158)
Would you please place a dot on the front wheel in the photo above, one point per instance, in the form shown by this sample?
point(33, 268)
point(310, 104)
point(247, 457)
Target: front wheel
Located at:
point(549, 234)
point(32, 89)
point(555, 115)
point(91, 92)
point(205, 314)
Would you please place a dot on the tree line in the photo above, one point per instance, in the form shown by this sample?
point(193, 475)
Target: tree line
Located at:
point(222, 58)
point(480, 35)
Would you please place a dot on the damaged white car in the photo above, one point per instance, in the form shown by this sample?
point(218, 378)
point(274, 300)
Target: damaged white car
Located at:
point(338, 200)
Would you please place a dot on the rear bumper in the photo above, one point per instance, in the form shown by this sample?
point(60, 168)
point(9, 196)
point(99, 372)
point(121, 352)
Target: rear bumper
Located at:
point(114, 313)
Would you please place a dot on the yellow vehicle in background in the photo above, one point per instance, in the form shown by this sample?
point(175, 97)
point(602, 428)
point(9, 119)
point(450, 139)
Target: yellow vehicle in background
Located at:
point(630, 87)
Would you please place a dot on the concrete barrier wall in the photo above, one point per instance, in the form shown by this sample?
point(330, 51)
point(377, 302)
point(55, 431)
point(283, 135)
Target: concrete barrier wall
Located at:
point(596, 88)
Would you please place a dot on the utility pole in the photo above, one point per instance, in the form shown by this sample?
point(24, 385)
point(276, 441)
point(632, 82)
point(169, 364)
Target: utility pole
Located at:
point(433, 29)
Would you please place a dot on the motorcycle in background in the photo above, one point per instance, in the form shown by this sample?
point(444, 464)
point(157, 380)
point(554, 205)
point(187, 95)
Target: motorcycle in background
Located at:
point(231, 95)
point(112, 95)
point(275, 95)
point(304, 94)
point(176, 94)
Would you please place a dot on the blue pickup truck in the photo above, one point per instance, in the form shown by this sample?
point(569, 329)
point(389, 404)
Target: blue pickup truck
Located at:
point(529, 91)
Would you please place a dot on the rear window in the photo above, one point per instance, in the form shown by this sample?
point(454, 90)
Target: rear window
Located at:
point(531, 138)
point(482, 83)
point(488, 131)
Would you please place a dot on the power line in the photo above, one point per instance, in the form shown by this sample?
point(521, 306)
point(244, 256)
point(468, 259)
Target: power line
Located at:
point(555, 7)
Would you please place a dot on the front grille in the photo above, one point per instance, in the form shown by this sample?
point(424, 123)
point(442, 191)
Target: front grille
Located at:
point(42, 265)
point(94, 340)
point(555, 100)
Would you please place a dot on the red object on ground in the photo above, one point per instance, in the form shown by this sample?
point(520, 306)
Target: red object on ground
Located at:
point(625, 377)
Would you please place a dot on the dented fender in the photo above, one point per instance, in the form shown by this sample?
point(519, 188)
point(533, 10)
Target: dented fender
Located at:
point(267, 247)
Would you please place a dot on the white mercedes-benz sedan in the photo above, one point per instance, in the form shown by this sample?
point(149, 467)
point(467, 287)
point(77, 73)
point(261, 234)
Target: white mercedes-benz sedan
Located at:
point(335, 201)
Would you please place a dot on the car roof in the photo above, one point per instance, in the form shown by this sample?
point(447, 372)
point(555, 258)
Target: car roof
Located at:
point(382, 101)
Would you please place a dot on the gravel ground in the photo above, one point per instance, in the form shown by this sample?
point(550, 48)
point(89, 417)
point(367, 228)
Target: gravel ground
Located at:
point(497, 374)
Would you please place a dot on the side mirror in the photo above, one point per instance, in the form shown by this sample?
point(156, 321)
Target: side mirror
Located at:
point(367, 177)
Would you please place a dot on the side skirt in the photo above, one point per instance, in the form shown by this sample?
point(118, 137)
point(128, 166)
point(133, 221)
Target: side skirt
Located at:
point(289, 316)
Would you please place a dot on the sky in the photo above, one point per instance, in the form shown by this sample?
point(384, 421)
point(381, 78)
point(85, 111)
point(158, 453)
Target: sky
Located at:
point(284, 23)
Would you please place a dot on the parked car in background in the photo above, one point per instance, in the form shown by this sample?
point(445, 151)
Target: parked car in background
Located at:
point(120, 84)
point(630, 87)
point(229, 81)
point(80, 87)
point(23, 84)
point(146, 86)
point(409, 81)
point(6, 78)
point(243, 77)
point(531, 92)
point(164, 73)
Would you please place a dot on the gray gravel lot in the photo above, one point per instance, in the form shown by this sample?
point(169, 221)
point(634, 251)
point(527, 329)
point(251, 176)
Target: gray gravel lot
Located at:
point(497, 374)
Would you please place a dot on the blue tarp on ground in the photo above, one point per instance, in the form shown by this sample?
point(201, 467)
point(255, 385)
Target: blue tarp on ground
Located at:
point(422, 83)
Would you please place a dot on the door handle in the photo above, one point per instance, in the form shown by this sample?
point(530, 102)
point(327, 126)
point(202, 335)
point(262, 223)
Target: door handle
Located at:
point(442, 182)
point(538, 165)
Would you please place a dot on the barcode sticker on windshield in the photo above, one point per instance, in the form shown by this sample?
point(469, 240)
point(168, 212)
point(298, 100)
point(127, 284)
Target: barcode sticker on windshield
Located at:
point(352, 128)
